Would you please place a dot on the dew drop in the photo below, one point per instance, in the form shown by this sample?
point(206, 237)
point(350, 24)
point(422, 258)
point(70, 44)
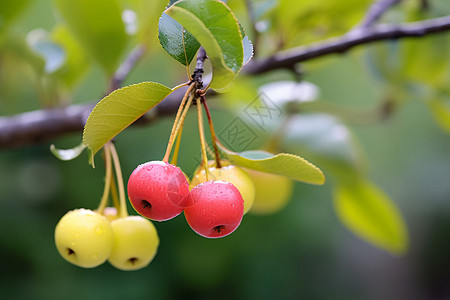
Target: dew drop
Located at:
point(98, 230)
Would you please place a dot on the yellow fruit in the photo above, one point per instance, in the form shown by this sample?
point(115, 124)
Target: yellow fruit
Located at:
point(135, 243)
point(84, 238)
point(272, 192)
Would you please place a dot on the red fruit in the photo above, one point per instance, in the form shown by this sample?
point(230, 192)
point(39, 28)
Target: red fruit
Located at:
point(217, 210)
point(158, 190)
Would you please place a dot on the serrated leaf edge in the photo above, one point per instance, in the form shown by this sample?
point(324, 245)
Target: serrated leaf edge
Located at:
point(102, 101)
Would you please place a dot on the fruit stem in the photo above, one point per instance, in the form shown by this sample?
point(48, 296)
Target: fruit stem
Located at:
point(123, 213)
point(176, 123)
point(202, 140)
point(213, 132)
point(108, 177)
point(114, 195)
point(179, 126)
point(177, 148)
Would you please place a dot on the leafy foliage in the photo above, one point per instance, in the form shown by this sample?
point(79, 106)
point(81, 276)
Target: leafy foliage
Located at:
point(68, 154)
point(213, 24)
point(368, 212)
point(406, 70)
point(105, 37)
point(118, 110)
point(284, 164)
point(179, 43)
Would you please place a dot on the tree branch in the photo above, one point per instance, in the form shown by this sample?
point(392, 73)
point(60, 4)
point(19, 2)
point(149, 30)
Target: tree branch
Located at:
point(44, 125)
point(47, 124)
point(376, 10)
point(125, 68)
point(285, 59)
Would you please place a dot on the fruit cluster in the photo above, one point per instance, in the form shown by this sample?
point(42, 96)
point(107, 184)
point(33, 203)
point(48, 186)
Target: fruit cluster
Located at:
point(213, 208)
point(87, 239)
point(214, 201)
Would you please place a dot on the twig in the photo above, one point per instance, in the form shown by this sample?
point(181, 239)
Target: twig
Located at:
point(285, 59)
point(375, 12)
point(125, 68)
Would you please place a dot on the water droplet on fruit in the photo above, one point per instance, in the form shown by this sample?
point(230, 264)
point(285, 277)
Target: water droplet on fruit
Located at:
point(98, 230)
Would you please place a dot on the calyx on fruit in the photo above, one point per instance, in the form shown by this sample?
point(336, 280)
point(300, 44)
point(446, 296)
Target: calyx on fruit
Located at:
point(135, 245)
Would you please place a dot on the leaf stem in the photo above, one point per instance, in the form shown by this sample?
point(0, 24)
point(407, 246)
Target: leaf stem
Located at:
point(202, 140)
point(213, 132)
point(123, 213)
point(176, 123)
point(108, 173)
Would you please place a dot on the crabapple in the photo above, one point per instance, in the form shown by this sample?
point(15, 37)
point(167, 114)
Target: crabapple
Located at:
point(217, 209)
point(230, 173)
point(158, 190)
point(135, 243)
point(272, 192)
point(84, 238)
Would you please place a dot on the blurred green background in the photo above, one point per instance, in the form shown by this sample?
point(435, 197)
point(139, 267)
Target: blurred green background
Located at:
point(302, 252)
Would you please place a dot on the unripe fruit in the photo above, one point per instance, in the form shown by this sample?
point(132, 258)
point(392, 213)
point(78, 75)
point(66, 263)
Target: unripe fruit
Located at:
point(217, 210)
point(272, 192)
point(135, 243)
point(84, 238)
point(158, 190)
point(230, 173)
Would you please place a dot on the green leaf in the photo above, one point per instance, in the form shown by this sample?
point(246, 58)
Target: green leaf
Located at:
point(120, 109)
point(67, 154)
point(326, 140)
point(147, 16)
point(248, 49)
point(76, 62)
point(179, 43)
point(369, 213)
point(440, 108)
point(99, 27)
point(213, 24)
point(283, 164)
point(10, 10)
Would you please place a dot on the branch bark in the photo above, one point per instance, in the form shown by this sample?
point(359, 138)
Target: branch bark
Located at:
point(44, 125)
point(361, 36)
point(376, 10)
